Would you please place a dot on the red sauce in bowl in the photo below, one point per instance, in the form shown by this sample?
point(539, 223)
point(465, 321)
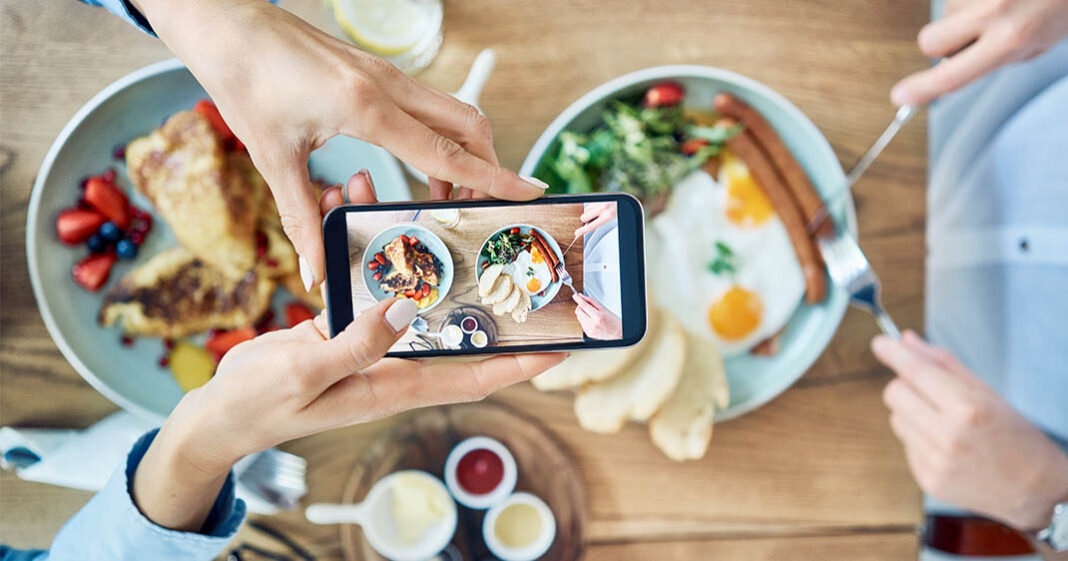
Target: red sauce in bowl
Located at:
point(480, 471)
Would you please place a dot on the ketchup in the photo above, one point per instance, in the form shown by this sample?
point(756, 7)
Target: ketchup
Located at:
point(480, 471)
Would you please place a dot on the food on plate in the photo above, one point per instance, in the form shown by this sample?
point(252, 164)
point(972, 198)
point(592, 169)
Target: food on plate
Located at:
point(639, 391)
point(591, 366)
point(220, 342)
point(175, 293)
point(682, 428)
point(763, 170)
point(808, 200)
point(517, 266)
point(721, 261)
point(191, 365)
point(407, 269)
point(92, 272)
point(644, 145)
point(206, 199)
point(292, 283)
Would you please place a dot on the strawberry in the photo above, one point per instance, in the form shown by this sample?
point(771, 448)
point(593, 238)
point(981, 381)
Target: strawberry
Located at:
point(664, 94)
point(208, 110)
point(297, 313)
point(92, 272)
point(220, 342)
point(75, 225)
point(691, 146)
point(109, 200)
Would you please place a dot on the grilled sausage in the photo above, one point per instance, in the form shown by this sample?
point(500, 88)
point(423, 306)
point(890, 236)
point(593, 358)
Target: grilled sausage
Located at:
point(546, 250)
point(745, 146)
point(812, 207)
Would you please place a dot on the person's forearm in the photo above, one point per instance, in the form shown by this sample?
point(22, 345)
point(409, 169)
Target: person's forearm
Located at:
point(175, 486)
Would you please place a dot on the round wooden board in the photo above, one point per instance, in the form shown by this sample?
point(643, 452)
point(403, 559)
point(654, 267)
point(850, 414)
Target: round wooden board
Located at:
point(424, 440)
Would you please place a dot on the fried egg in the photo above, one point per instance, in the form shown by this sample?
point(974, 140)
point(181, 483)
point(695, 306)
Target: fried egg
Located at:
point(530, 271)
point(758, 282)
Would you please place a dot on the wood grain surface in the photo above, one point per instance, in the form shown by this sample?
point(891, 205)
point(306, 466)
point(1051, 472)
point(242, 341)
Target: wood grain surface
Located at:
point(815, 474)
point(554, 322)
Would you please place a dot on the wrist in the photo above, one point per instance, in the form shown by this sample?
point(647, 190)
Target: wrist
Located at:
point(1036, 507)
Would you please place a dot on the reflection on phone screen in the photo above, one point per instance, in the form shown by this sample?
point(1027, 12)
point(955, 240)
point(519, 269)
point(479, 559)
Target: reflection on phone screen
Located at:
point(542, 274)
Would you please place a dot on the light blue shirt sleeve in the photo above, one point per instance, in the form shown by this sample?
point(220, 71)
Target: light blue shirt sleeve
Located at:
point(111, 528)
point(126, 11)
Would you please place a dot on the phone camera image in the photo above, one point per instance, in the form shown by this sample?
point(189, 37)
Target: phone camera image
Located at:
point(544, 274)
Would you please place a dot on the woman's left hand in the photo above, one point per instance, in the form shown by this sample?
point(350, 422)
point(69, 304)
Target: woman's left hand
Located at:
point(596, 320)
point(963, 443)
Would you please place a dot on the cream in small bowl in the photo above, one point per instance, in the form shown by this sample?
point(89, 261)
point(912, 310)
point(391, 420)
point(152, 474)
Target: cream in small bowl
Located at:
point(521, 528)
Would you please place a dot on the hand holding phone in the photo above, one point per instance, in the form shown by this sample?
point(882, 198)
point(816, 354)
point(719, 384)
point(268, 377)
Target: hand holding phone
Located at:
point(492, 276)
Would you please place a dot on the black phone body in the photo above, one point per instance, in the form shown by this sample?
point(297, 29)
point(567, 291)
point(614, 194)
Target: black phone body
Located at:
point(440, 252)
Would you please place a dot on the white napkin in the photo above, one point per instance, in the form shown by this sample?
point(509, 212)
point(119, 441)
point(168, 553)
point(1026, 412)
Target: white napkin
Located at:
point(86, 459)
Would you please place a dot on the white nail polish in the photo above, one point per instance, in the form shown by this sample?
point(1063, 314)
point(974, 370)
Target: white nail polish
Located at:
point(535, 182)
point(400, 315)
point(305, 273)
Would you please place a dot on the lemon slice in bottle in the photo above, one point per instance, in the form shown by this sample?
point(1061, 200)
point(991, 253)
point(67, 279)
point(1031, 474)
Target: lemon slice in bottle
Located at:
point(385, 27)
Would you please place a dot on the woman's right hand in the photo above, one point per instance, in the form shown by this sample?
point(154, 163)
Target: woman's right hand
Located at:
point(285, 87)
point(977, 37)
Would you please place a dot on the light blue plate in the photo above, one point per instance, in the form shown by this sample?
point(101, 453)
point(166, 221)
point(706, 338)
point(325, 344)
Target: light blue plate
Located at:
point(547, 295)
point(433, 244)
point(131, 107)
point(753, 380)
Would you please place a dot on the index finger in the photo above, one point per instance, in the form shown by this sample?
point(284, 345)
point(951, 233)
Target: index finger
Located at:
point(951, 73)
point(931, 380)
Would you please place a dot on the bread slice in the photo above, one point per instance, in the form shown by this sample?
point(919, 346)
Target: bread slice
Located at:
point(501, 289)
point(519, 313)
point(639, 391)
point(488, 279)
point(508, 304)
point(682, 428)
point(585, 367)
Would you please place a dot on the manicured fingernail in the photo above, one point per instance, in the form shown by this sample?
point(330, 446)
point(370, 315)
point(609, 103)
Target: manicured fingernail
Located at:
point(367, 174)
point(898, 96)
point(535, 182)
point(306, 275)
point(401, 313)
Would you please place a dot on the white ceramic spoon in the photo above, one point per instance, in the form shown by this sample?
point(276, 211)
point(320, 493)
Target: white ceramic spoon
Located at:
point(469, 91)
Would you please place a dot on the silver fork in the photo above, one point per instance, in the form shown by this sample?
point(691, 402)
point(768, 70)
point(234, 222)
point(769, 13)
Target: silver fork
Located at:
point(564, 276)
point(846, 263)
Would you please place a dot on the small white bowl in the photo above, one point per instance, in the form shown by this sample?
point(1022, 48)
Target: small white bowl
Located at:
point(529, 552)
point(508, 478)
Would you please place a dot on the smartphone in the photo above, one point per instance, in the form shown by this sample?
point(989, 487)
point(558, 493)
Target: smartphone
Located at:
point(558, 273)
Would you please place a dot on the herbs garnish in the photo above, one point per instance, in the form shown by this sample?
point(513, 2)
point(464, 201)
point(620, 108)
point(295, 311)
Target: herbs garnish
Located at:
point(726, 261)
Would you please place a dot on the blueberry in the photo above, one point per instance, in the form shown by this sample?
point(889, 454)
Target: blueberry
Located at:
point(96, 243)
point(126, 249)
point(110, 232)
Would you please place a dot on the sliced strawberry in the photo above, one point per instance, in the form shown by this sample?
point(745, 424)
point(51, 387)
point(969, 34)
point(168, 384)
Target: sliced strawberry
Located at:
point(691, 146)
point(220, 342)
point(75, 225)
point(664, 94)
point(92, 272)
point(109, 200)
point(208, 110)
point(297, 313)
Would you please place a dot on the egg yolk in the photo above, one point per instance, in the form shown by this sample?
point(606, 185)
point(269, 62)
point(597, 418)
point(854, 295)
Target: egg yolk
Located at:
point(747, 205)
point(533, 286)
point(536, 256)
point(736, 314)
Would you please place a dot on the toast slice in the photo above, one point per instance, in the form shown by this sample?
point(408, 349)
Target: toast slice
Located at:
point(508, 304)
point(488, 279)
point(639, 391)
point(682, 428)
point(502, 288)
point(519, 313)
point(586, 367)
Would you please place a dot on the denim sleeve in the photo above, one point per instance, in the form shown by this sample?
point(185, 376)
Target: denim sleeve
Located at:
point(126, 11)
point(111, 528)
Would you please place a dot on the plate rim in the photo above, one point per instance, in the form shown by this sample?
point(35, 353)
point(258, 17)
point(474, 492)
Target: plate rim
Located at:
point(34, 209)
point(839, 196)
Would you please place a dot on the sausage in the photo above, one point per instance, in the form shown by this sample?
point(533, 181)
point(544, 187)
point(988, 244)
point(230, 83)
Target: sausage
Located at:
point(745, 146)
point(812, 207)
point(546, 250)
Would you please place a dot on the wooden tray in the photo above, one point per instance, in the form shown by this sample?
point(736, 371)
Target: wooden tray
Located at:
point(424, 440)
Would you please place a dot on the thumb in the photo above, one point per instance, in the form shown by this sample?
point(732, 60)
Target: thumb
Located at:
point(298, 207)
point(367, 338)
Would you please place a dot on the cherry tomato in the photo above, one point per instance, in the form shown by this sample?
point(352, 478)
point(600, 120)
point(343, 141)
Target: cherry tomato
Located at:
point(691, 146)
point(380, 258)
point(409, 294)
point(405, 239)
point(664, 94)
point(514, 231)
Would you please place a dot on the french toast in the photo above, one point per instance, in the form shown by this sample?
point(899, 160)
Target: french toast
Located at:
point(175, 294)
point(397, 282)
point(204, 196)
point(401, 256)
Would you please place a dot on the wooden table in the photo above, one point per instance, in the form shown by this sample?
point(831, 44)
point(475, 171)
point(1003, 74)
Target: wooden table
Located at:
point(553, 322)
point(814, 475)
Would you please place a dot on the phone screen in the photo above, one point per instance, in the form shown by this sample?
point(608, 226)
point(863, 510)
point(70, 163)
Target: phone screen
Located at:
point(493, 276)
